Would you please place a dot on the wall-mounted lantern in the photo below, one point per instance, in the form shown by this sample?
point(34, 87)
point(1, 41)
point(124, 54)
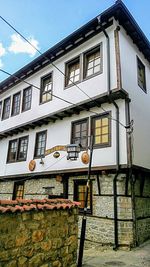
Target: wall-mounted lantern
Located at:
point(73, 151)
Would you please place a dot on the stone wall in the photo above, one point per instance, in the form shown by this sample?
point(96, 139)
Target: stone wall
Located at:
point(142, 207)
point(38, 233)
point(102, 219)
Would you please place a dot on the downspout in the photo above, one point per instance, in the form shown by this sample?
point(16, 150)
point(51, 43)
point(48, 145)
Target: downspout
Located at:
point(131, 177)
point(117, 136)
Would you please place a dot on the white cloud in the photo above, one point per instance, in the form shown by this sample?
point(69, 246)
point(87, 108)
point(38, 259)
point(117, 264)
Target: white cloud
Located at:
point(18, 45)
point(2, 50)
point(1, 63)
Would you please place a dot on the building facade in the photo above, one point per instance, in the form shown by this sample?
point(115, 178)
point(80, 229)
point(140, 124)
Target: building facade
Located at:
point(93, 83)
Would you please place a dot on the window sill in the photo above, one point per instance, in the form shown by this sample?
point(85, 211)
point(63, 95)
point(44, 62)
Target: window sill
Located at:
point(70, 85)
point(93, 75)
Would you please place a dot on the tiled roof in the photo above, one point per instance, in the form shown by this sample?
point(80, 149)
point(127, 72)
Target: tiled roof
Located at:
point(21, 205)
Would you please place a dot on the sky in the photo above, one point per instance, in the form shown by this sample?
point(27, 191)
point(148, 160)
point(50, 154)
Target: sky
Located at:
point(46, 22)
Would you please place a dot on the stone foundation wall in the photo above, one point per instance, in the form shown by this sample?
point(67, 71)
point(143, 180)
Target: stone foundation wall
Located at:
point(102, 219)
point(142, 207)
point(38, 238)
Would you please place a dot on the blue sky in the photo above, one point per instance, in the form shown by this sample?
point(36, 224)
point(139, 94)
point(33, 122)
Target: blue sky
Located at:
point(46, 22)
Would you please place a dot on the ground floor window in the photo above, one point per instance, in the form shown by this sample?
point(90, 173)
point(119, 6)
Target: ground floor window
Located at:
point(79, 194)
point(18, 190)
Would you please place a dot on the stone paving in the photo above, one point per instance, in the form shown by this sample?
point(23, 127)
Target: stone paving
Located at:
point(98, 257)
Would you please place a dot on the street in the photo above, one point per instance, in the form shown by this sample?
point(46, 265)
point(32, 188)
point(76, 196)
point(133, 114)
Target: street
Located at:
point(99, 257)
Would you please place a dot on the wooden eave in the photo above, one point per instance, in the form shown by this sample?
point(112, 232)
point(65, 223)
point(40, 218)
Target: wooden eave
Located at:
point(118, 11)
point(59, 115)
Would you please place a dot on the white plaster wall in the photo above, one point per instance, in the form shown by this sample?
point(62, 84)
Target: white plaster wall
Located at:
point(59, 133)
point(94, 86)
point(140, 102)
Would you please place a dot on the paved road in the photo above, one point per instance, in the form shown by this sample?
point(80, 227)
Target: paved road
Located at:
point(138, 257)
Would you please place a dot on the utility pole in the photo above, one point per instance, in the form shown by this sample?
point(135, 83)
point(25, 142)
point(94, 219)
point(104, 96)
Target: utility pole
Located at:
point(84, 218)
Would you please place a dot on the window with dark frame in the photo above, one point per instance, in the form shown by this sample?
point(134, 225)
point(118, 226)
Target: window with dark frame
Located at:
point(22, 148)
point(72, 72)
point(80, 133)
point(17, 149)
point(46, 88)
point(92, 62)
point(18, 191)
point(40, 144)
point(27, 97)
point(141, 74)
point(79, 194)
point(101, 130)
point(16, 104)
point(6, 108)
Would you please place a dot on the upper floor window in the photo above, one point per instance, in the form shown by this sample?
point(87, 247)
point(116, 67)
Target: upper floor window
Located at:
point(16, 104)
point(6, 108)
point(79, 194)
point(72, 72)
point(92, 62)
point(46, 88)
point(27, 96)
point(18, 191)
point(141, 74)
point(40, 144)
point(80, 133)
point(101, 130)
point(17, 150)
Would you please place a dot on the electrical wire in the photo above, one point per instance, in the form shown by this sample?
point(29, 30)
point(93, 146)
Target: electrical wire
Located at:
point(62, 99)
point(34, 175)
point(97, 104)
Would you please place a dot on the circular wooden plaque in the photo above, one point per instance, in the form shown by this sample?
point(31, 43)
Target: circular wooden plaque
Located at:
point(32, 165)
point(85, 158)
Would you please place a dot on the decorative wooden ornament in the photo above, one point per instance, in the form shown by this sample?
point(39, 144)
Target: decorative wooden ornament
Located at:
point(32, 165)
point(85, 158)
point(56, 155)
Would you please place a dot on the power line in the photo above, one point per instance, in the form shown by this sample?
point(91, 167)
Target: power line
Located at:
point(60, 98)
point(97, 104)
point(34, 175)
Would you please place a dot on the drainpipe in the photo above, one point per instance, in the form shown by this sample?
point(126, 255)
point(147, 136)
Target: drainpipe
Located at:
point(117, 136)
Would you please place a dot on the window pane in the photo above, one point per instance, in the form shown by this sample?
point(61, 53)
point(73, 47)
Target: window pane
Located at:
point(40, 144)
point(6, 108)
point(79, 133)
point(101, 130)
point(12, 151)
point(92, 62)
point(104, 138)
point(16, 104)
point(22, 149)
point(27, 95)
point(46, 88)
point(72, 72)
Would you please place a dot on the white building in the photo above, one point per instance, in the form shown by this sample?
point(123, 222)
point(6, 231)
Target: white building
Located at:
point(94, 82)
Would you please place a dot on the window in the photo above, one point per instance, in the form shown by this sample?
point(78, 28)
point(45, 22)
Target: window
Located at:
point(6, 108)
point(18, 190)
point(46, 88)
point(79, 194)
point(101, 130)
point(17, 150)
point(0, 108)
point(72, 72)
point(22, 148)
point(16, 104)
point(27, 96)
point(40, 144)
point(80, 133)
point(92, 62)
point(141, 74)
